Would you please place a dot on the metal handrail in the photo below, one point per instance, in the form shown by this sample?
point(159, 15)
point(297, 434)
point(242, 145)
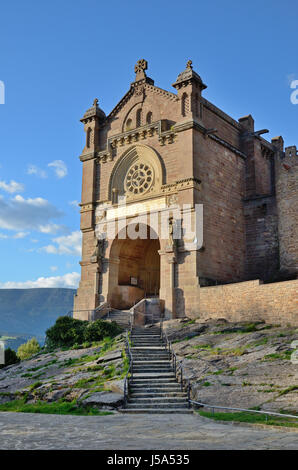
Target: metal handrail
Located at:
point(147, 315)
point(130, 370)
point(104, 306)
point(71, 312)
point(176, 364)
point(242, 409)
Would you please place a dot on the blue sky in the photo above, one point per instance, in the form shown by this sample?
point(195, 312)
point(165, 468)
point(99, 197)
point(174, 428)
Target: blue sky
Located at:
point(57, 56)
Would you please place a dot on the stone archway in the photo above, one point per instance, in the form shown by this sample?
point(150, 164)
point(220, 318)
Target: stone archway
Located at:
point(134, 269)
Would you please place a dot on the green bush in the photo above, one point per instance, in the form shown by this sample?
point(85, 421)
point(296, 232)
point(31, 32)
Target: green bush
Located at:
point(10, 357)
point(100, 329)
point(69, 332)
point(26, 350)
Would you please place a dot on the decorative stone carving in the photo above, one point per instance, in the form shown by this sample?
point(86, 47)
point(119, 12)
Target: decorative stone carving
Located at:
point(140, 68)
point(136, 173)
point(189, 64)
point(172, 200)
point(139, 178)
point(99, 249)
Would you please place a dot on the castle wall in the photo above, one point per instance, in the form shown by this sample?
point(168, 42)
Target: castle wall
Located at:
point(287, 196)
point(262, 248)
point(222, 190)
point(250, 301)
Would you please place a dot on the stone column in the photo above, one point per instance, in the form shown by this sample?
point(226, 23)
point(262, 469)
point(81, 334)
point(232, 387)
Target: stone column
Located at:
point(110, 278)
point(167, 282)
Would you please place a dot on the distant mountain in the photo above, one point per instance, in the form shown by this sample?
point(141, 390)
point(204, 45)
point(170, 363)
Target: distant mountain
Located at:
point(32, 311)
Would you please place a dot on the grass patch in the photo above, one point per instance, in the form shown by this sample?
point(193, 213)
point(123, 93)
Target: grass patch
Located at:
point(246, 417)
point(59, 408)
point(286, 355)
point(228, 352)
point(206, 384)
point(261, 342)
point(288, 390)
point(190, 322)
point(35, 385)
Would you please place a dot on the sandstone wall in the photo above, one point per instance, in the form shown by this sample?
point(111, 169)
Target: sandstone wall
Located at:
point(275, 303)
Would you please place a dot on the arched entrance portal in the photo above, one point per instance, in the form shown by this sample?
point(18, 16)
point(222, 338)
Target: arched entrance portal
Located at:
point(134, 270)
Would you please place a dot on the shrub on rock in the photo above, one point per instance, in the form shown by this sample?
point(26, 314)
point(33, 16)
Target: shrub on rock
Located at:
point(100, 329)
point(10, 357)
point(26, 350)
point(68, 332)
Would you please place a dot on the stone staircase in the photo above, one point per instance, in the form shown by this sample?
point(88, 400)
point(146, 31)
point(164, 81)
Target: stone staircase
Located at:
point(154, 387)
point(119, 316)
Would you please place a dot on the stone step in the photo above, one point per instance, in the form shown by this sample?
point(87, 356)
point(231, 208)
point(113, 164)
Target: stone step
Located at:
point(138, 351)
point(152, 361)
point(151, 369)
point(153, 382)
point(155, 376)
point(155, 400)
point(146, 337)
point(164, 365)
point(166, 394)
point(151, 357)
point(156, 405)
point(143, 336)
point(169, 387)
point(155, 389)
point(152, 364)
point(145, 333)
point(156, 410)
point(149, 342)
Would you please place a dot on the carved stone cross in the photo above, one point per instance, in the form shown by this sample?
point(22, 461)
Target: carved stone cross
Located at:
point(140, 68)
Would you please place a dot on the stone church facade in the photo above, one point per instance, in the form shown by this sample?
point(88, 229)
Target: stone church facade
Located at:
point(160, 151)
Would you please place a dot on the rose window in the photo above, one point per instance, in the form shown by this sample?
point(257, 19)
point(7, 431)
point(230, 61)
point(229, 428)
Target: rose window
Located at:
point(139, 178)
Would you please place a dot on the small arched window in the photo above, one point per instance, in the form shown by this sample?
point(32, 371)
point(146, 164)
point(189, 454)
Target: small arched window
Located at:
point(197, 105)
point(184, 104)
point(149, 118)
point(139, 118)
point(88, 137)
point(128, 124)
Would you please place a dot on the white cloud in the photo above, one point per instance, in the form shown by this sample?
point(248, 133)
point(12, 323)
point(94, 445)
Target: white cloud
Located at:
point(21, 235)
point(70, 280)
point(59, 167)
point(52, 228)
point(22, 214)
point(65, 245)
point(34, 170)
point(12, 187)
point(16, 236)
point(74, 203)
point(54, 268)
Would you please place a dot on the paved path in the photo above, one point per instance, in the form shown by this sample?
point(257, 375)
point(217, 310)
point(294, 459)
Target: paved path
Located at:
point(117, 432)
